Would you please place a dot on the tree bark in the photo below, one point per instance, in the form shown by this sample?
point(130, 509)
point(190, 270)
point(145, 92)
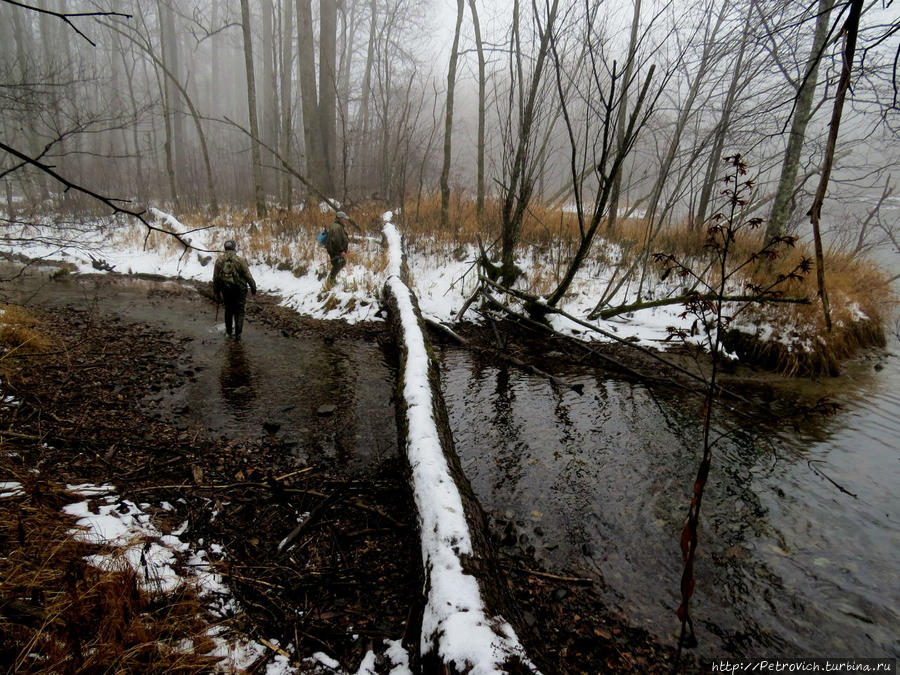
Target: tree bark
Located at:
point(328, 89)
point(448, 120)
point(287, 24)
point(251, 104)
point(520, 182)
point(715, 156)
point(170, 59)
point(806, 90)
point(479, 140)
point(851, 30)
point(366, 94)
point(306, 55)
point(622, 116)
point(268, 92)
point(686, 109)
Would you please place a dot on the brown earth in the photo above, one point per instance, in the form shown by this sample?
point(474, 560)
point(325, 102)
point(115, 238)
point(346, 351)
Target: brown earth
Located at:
point(349, 578)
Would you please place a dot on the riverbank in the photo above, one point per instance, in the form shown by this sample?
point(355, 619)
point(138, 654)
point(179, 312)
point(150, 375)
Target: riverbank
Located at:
point(103, 403)
point(787, 336)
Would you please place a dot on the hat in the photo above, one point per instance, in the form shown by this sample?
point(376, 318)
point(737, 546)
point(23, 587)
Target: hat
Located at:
point(229, 245)
point(340, 214)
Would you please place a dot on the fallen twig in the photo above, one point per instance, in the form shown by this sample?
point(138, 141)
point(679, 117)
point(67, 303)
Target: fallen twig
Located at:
point(809, 463)
point(547, 575)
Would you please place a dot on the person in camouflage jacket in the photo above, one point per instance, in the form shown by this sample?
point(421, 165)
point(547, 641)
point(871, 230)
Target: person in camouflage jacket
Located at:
point(336, 243)
point(231, 278)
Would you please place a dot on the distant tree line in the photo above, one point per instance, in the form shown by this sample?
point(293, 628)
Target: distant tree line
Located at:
point(612, 113)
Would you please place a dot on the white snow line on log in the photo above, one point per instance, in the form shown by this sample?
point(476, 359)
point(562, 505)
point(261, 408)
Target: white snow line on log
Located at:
point(454, 617)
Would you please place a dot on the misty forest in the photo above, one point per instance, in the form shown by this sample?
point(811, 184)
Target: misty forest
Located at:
point(411, 336)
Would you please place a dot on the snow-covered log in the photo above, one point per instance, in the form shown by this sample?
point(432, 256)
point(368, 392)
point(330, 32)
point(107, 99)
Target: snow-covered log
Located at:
point(465, 625)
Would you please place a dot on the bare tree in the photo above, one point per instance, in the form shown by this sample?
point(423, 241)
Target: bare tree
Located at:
point(803, 109)
point(309, 96)
point(251, 103)
point(850, 31)
point(609, 151)
point(480, 137)
point(448, 119)
point(287, 26)
point(328, 90)
point(622, 118)
point(519, 184)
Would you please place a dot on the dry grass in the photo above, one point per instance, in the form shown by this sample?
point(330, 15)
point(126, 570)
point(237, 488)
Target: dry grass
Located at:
point(285, 239)
point(20, 330)
point(861, 302)
point(59, 614)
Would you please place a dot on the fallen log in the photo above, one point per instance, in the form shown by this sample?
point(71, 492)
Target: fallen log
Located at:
point(519, 363)
point(681, 299)
point(540, 306)
point(467, 615)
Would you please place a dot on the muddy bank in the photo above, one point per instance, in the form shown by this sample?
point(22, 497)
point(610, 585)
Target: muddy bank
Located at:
point(154, 400)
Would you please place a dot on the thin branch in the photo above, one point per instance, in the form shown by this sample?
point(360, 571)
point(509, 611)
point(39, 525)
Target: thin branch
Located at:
point(66, 16)
point(111, 202)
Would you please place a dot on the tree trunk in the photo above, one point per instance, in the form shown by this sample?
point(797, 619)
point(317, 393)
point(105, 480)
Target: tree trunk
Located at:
point(602, 199)
point(479, 141)
point(251, 105)
point(520, 183)
point(715, 156)
point(306, 55)
point(653, 224)
point(448, 120)
point(622, 117)
point(851, 30)
point(455, 555)
point(286, 67)
point(170, 60)
point(365, 96)
point(806, 90)
point(269, 90)
point(328, 89)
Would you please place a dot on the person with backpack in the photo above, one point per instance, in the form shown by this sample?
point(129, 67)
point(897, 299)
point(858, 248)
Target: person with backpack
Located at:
point(231, 277)
point(336, 243)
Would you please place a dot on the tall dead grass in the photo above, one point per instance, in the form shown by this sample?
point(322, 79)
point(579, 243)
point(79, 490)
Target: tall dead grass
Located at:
point(858, 290)
point(20, 331)
point(59, 614)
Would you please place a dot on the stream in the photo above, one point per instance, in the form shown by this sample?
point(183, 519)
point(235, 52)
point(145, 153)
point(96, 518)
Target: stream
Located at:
point(598, 483)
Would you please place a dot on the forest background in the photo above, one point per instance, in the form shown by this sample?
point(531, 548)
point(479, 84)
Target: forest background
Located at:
point(533, 124)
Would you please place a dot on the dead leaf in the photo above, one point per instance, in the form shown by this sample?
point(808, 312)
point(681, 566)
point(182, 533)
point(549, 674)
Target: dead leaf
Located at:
point(601, 633)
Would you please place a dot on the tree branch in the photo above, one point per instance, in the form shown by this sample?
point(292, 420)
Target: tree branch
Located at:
point(66, 16)
point(111, 202)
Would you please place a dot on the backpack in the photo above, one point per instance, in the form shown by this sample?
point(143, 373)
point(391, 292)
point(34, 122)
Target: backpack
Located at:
point(323, 237)
point(229, 276)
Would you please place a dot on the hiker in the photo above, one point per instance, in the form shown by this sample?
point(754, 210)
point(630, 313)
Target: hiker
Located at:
point(336, 243)
point(231, 277)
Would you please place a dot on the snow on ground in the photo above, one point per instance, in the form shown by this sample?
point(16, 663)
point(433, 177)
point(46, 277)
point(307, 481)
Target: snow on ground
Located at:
point(441, 282)
point(164, 562)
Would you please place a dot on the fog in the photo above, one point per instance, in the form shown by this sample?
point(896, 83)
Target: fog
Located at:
point(149, 101)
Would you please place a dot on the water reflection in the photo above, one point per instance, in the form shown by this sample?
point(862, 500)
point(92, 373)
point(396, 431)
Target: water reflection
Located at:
point(600, 483)
point(236, 379)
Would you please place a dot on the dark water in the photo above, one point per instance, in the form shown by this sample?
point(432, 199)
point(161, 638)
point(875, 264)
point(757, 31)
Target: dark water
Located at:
point(599, 484)
point(327, 400)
